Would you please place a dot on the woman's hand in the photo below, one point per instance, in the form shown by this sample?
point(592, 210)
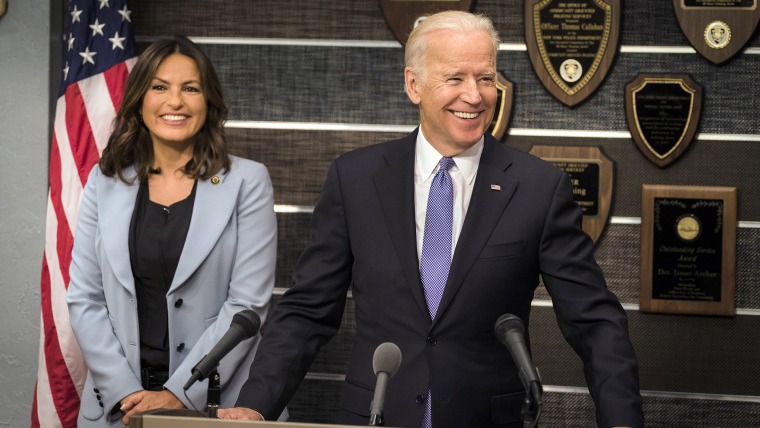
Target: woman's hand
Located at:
point(142, 401)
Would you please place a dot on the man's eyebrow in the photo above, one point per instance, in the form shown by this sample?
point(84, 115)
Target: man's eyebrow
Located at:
point(452, 73)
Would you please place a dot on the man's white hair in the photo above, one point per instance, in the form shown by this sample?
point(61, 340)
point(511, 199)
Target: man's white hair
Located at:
point(455, 20)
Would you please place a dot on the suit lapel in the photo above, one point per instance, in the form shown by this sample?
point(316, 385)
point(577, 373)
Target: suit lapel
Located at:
point(213, 207)
point(116, 204)
point(491, 193)
point(395, 188)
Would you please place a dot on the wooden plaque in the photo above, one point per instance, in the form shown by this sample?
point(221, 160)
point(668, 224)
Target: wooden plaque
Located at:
point(663, 111)
point(717, 29)
point(688, 250)
point(503, 111)
point(592, 175)
point(572, 44)
point(403, 15)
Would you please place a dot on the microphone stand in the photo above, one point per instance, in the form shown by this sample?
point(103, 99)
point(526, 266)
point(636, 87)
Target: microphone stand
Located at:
point(532, 405)
point(214, 394)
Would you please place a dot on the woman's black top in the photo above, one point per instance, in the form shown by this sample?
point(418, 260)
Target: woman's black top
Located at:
point(156, 237)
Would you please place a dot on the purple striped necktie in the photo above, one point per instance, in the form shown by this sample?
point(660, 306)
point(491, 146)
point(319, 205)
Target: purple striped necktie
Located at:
point(436, 249)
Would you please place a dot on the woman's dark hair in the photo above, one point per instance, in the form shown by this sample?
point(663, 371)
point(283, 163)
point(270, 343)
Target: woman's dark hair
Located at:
point(131, 144)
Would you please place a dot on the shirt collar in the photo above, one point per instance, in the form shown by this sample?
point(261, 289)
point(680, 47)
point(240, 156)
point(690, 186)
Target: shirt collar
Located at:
point(427, 159)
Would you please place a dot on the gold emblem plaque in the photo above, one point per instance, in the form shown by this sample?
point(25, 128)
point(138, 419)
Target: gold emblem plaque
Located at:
point(572, 44)
point(717, 29)
point(688, 250)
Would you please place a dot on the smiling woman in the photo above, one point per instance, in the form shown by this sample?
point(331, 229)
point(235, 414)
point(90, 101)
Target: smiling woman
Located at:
point(174, 237)
point(173, 77)
point(174, 108)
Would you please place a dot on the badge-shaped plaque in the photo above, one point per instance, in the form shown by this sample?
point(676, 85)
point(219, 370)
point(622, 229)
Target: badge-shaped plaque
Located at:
point(403, 15)
point(503, 111)
point(688, 249)
point(663, 112)
point(591, 173)
point(717, 29)
point(571, 44)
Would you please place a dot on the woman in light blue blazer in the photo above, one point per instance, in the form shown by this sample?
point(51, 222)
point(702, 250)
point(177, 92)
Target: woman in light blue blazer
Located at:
point(174, 237)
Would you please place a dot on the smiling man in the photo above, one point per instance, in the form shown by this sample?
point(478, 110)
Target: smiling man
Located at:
point(437, 235)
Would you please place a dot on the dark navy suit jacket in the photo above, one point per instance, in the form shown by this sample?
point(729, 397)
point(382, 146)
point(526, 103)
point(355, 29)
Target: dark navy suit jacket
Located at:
point(363, 240)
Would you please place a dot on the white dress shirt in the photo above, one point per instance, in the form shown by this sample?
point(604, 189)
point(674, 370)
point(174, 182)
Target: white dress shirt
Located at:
point(462, 177)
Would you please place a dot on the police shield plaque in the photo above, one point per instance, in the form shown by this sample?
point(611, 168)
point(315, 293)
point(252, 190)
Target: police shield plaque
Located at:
point(663, 112)
point(571, 44)
point(717, 29)
point(403, 15)
point(591, 173)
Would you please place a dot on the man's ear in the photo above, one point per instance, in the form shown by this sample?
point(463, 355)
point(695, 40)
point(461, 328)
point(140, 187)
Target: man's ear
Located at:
point(412, 85)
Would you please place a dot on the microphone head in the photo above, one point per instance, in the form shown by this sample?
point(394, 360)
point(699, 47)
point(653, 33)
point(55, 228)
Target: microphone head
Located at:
point(387, 359)
point(248, 320)
point(508, 322)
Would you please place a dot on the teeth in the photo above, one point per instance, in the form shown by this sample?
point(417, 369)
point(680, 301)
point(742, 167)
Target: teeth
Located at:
point(463, 115)
point(173, 117)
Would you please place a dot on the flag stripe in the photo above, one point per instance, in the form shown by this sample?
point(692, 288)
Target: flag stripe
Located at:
point(64, 238)
point(70, 187)
point(57, 251)
point(35, 418)
point(81, 139)
point(116, 79)
point(61, 384)
point(43, 399)
point(100, 111)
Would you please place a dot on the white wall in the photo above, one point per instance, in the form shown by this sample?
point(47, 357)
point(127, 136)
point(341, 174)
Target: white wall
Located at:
point(24, 112)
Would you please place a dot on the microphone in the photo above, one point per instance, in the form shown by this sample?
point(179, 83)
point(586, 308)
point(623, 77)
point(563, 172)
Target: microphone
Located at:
point(245, 324)
point(385, 363)
point(510, 331)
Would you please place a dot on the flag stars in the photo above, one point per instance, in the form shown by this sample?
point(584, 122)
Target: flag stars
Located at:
point(103, 3)
point(116, 41)
point(66, 71)
point(75, 15)
point(87, 56)
point(97, 28)
point(125, 14)
point(71, 41)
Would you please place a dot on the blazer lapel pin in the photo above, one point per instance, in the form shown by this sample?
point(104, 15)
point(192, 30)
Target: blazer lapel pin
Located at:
point(495, 187)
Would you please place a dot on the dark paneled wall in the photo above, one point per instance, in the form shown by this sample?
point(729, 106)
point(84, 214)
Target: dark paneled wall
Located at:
point(292, 69)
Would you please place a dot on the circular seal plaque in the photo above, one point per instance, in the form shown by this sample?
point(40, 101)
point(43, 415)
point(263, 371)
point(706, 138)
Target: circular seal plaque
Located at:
point(688, 227)
point(717, 29)
point(571, 70)
point(718, 35)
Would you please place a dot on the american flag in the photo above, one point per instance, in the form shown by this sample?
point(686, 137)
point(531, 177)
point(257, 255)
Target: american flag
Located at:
point(98, 53)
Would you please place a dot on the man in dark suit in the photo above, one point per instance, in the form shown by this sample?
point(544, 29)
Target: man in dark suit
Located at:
point(508, 217)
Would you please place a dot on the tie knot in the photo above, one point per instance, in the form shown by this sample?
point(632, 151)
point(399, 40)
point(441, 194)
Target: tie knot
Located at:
point(446, 163)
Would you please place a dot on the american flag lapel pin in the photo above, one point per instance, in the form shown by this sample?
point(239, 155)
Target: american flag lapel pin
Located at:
point(495, 187)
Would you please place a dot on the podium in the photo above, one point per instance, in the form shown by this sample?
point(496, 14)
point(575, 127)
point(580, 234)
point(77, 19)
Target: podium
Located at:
point(183, 418)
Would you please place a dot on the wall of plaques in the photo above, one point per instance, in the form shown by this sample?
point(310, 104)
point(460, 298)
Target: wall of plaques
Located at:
point(309, 80)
